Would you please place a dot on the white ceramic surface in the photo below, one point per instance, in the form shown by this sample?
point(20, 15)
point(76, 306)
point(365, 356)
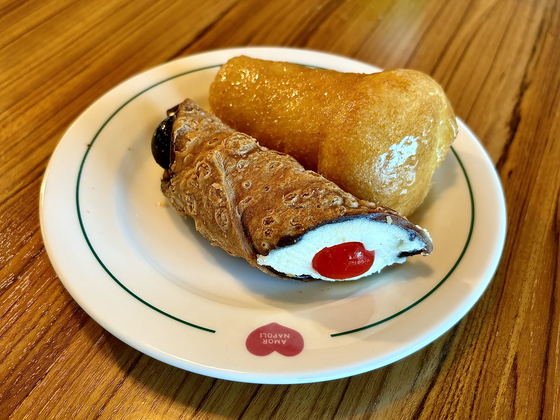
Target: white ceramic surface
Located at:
point(144, 273)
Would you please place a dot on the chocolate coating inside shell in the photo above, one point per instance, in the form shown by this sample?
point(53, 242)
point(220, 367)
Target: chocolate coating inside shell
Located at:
point(162, 149)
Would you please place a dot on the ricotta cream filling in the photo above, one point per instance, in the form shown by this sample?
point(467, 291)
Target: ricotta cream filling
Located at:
point(386, 239)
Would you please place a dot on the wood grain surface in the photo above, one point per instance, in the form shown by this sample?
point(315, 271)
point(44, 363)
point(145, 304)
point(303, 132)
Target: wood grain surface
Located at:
point(499, 62)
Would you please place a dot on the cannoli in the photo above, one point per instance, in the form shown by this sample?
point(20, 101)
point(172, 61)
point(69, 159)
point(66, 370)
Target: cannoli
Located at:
point(378, 136)
point(263, 206)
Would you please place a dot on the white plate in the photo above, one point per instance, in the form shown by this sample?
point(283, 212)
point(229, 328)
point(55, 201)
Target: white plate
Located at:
point(144, 273)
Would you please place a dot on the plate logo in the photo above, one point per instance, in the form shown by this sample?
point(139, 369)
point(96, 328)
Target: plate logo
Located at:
point(274, 337)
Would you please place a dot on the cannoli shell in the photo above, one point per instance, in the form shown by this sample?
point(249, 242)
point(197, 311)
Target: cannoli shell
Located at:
point(248, 199)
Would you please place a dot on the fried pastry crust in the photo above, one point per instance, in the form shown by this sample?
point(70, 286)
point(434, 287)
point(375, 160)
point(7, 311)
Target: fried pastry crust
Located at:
point(378, 136)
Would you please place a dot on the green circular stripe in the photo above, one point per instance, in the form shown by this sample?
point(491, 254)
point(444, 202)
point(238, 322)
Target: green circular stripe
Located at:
point(211, 330)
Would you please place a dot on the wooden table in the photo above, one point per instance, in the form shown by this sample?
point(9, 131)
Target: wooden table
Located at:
point(499, 62)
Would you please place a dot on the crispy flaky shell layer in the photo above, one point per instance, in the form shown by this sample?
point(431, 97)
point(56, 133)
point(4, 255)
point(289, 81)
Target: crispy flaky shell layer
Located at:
point(250, 200)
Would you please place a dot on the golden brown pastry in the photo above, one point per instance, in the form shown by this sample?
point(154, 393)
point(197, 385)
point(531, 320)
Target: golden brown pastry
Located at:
point(262, 205)
point(378, 136)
